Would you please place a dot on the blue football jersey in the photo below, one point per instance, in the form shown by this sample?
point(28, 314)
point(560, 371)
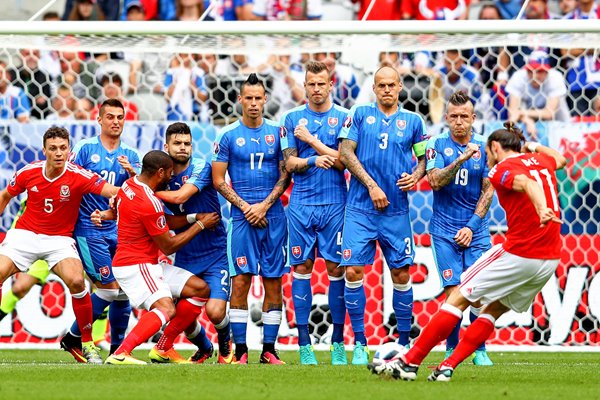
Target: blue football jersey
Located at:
point(199, 174)
point(253, 156)
point(316, 186)
point(455, 203)
point(91, 155)
point(385, 149)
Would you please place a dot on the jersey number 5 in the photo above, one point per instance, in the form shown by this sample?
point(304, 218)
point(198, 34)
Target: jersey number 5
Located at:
point(48, 206)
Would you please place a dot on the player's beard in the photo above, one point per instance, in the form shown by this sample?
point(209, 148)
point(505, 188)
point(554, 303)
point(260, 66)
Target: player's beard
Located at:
point(163, 185)
point(180, 159)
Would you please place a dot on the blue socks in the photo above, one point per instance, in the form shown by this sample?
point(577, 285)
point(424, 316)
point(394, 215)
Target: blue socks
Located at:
point(403, 307)
point(271, 323)
point(337, 307)
point(302, 299)
point(356, 300)
point(239, 321)
point(118, 316)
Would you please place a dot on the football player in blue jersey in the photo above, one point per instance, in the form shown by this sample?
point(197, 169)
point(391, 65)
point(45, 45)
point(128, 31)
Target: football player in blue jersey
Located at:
point(458, 173)
point(249, 151)
point(316, 208)
point(377, 145)
point(114, 161)
point(191, 191)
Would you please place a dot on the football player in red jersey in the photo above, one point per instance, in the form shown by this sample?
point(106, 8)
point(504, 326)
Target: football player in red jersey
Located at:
point(45, 231)
point(509, 275)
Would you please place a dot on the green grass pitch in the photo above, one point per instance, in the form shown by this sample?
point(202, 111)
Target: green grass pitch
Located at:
point(47, 374)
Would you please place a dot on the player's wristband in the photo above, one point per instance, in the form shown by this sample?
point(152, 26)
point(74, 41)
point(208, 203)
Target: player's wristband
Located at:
point(200, 224)
point(191, 218)
point(312, 161)
point(474, 223)
point(532, 146)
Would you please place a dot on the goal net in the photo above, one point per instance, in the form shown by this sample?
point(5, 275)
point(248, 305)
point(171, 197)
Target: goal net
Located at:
point(58, 73)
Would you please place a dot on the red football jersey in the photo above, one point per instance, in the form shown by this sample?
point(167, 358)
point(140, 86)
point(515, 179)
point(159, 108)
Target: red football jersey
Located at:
point(53, 205)
point(525, 237)
point(140, 216)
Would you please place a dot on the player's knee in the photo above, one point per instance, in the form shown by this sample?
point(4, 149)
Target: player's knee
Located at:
point(400, 275)
point(354, 274)
point(168, 310)
point(215, 312)
point(303, 269)
point(76, 285)
point(20, 290)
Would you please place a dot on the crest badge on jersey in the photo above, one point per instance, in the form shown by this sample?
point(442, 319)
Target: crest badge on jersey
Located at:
point(282, 132)
point(448, 151)
point(347, 122)
point(332, 122)
point(184, 179)
point(401, 123)
point(270, 139)
point(240, 141)
point(476, 156)
point(447, 274)
point(296, 251)
point(241, 261)
point(65, 191)
point(370, 120)
point(430, 154)
point(104, 271)
point(95, 158)
point(346, 254)
point(161, 222)
point(303, 122)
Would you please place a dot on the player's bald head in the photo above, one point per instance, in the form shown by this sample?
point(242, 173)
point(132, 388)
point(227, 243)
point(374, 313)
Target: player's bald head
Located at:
point(155, 160)
point(386, 72)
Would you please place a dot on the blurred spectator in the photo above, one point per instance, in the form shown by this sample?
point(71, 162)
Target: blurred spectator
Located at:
point(72, 66)
point(14, 103)
point(537, 92)
point(584, 9)
point(538, 9)
point(63, 104)
point(185, 90)
point(566, 6)
point(285, 10)
point(345, 85)
point(85, 10)
point(188, 10)
point(149, 9)
point(49, 61)
point(386, 10)
point(103, 10)
point(134, 11)
point(287, 91)
point(36, 83)
point(83, 109)
point(435, 9)
point(583, 79)
point(509, 9)
point(112, 85)
point(456, 75)
point(230, 10)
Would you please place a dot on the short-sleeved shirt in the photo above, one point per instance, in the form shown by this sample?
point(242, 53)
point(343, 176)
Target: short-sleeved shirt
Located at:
point(140, 216)
point(316, 186)
point(554, 85)
point(385, 150)
point(253, 156)
point(455, 203)
point(198, 173)
point(14, 103)
point(53, 205)
point(93, 156)
point(525, 237)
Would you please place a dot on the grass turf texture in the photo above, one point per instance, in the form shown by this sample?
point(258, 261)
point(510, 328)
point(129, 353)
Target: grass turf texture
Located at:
point(47, 374)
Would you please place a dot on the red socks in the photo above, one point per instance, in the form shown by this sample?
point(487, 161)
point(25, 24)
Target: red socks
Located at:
point(439, 328)
point(82, 308)
point(147, 326)
point(186, 313)
point(474, 336)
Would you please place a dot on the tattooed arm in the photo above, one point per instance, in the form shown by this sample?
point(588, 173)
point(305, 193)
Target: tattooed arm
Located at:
point(218, 175)
point(256, 213)
point(440, 177)
point(464, 235)
point(349, 159)
point(297, 165)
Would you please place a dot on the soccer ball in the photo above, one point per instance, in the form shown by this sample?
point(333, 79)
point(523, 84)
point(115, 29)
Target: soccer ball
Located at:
point(388, 352)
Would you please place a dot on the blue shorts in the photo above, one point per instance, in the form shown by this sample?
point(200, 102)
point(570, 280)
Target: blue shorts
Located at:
point(258, 251)
point(452, 260)
point(315, 226)
point(214, 270)
point(96, 255)
point(393, 232)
